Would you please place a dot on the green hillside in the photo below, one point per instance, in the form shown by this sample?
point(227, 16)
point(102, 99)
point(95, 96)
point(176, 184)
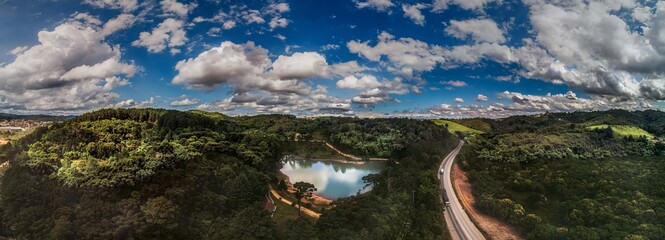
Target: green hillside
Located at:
point(454, 127)
point(623, 130)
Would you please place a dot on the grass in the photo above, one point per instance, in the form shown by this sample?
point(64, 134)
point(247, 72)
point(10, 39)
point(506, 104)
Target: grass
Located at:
point(623, 130)
point(454, 127)
point(283, 215)
point(475, 123)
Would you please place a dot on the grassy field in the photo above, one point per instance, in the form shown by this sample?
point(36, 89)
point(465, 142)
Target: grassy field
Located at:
point(475, 123)
point(623, 130)
point(454, 127)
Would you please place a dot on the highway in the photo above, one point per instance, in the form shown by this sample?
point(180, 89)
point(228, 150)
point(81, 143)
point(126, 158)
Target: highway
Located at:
point(460, 225)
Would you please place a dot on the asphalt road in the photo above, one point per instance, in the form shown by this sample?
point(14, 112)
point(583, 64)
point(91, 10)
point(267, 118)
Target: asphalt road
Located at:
point(460, 225)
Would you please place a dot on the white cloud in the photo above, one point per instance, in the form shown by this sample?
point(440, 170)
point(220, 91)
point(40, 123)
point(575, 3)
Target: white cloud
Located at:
point(603, 57)
point(278, 8)
point(122, 21)
point(72, 65)
point(246, 68)
point(252, 16)
point(280, 37)
point(124, 5)
point(440, 5)
point(173, 7)
point(169, 33)
point(346, 68)
point(413, 12)
point(455, 83)
point(468, 54)
point(329, 47)
point(459, 100)
point(379, 5)
point(18, 50)
point(268, 18)
point(276, 22)
point(480, 30)
point(481, 98)
point(185, 102)
point(299, 66)
point(408, 57)
point(522, 104)
point(351, 82)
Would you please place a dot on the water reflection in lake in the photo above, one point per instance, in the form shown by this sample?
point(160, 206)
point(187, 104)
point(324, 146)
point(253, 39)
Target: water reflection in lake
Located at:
point(332, 179)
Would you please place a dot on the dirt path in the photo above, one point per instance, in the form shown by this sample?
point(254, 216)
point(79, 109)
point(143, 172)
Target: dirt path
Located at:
point(303, 209)
point(350, 156)
point(494, 228)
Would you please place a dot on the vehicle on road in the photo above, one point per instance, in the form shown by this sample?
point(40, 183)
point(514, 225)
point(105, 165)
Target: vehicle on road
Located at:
point(441, 171)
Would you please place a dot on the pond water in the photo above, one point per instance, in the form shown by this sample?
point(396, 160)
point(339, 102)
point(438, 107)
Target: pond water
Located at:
point(332, 179)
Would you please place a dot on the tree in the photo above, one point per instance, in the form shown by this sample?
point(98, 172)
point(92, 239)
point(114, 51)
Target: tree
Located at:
point(282, 185)
point(303, 189)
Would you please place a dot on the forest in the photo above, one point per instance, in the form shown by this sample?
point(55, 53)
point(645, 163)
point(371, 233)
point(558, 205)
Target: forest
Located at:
point(554, 178)
point(166, 174)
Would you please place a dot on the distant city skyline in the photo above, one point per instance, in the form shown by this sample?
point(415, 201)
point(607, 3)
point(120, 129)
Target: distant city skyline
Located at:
point(436, 58)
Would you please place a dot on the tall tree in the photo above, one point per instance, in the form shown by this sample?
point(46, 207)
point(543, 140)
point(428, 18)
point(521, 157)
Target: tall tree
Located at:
point(303, 189)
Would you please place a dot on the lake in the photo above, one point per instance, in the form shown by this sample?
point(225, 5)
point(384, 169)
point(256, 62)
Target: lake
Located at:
point(332, 179)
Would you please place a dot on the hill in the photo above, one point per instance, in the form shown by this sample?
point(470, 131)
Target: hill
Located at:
point(455, 127)
point(623, 130)
point(552, 176)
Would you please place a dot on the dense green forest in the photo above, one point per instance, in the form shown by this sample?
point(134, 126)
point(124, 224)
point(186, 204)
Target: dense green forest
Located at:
point(164, 174)
point(554, 178)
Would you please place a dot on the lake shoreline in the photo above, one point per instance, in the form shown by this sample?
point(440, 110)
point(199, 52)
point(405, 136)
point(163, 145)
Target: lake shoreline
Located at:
point(316, 199)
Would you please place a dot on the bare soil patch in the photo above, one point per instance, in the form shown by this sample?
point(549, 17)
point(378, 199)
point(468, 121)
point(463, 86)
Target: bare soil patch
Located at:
point(493, 227)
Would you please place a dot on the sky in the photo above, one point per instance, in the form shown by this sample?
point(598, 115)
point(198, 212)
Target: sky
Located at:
point(366, 58)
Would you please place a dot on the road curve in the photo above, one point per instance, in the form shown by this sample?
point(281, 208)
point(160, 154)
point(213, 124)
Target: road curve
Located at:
point(460, 225)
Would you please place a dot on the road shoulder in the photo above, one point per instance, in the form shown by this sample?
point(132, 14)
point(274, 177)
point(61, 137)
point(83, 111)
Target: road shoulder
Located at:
point(492, 227)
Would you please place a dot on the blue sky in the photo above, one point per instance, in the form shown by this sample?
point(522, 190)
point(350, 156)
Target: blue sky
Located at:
point(434, 58)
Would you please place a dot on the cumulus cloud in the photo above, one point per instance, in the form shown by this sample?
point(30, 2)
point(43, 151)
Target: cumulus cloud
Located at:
point(346, 68)
point(602, 57)
point(124, 5)
point(414, 13)
point(71, 64)
point(122, 21)
point(459, 100)
point(481, 98)
point(471, 54)
point(300, 65)
point(408, 57)
point(379, 5)
point(317, 103)
point(185, 102)
point(170, 33)
point(523, 104)
point(18, 50)
point(271, 15)
point(454, 83)
point(351, 82)
point(175, 8)
point(440, 5)
point(480, 30)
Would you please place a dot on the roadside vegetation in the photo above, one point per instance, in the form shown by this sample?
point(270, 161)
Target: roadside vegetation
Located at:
point(554, 178)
